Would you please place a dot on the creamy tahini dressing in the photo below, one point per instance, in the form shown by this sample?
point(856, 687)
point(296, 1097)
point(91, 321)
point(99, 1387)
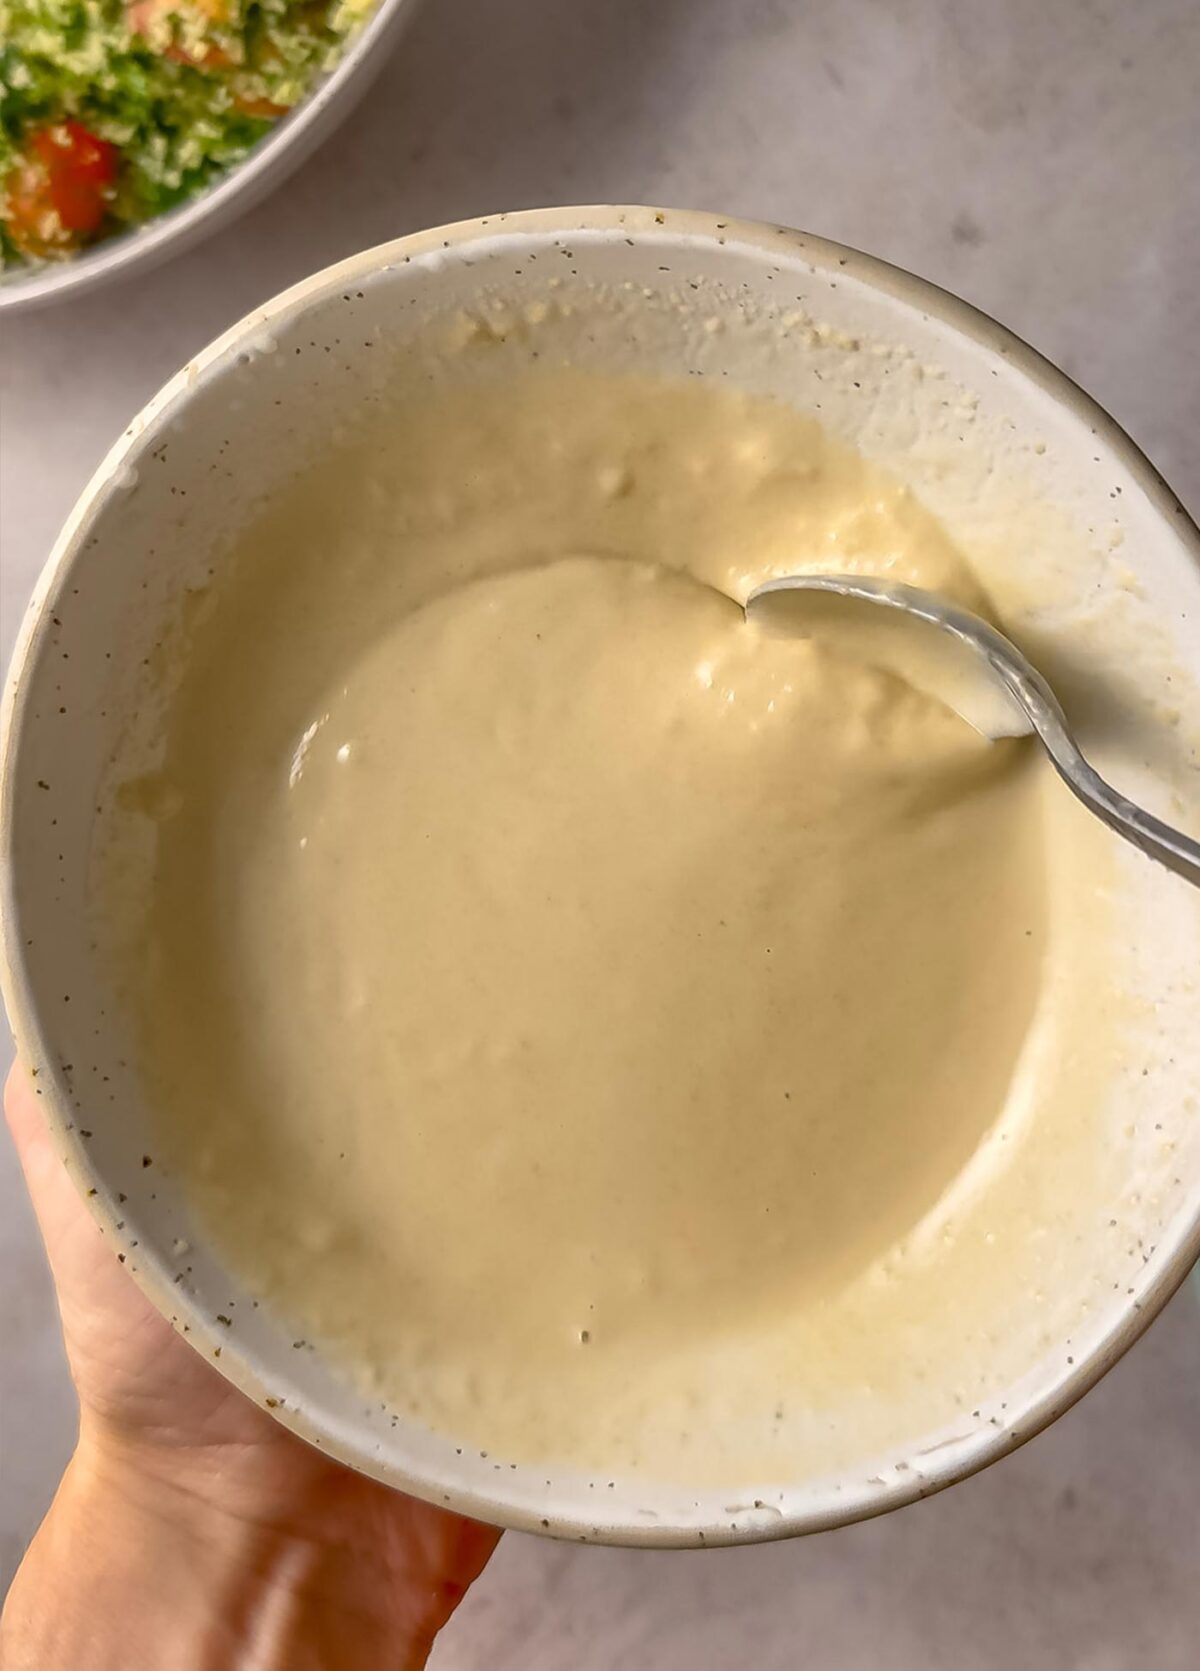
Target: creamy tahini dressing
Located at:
point(564, 1002)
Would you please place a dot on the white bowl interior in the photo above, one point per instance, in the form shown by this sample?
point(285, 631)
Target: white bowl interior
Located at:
point(1105, 587)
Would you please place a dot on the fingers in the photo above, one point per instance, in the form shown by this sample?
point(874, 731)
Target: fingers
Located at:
point(20, 1108)
point(54, 1198)
point(84, 1269)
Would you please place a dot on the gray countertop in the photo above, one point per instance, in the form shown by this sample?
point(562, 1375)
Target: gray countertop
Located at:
point(1041, 160)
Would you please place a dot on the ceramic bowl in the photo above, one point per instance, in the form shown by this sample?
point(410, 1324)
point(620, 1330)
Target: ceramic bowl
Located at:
point(1106, 583)
point(277, 154)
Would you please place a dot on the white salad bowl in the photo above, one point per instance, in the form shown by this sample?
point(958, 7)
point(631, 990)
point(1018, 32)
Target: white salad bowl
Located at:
point(281, 150)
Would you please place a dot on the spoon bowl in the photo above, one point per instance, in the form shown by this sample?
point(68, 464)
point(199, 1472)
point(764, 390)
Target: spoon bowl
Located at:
point(957, 657)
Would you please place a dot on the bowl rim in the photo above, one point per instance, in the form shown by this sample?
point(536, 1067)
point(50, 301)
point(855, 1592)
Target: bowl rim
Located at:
point(650, 225)
point(280, 150)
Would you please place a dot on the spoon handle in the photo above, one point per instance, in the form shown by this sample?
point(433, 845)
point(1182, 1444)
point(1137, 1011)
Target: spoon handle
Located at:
point(1155, 838)
point(1150, 834)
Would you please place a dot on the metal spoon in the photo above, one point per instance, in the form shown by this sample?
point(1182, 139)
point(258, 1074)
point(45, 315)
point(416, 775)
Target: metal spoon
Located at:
point(971, 667)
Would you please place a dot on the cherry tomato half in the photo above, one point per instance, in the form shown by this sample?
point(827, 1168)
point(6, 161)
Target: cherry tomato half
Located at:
point(58, 194)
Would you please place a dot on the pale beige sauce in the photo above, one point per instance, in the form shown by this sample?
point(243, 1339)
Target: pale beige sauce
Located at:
point(555, 983)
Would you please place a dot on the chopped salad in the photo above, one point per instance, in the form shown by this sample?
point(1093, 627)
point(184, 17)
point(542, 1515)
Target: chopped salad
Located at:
point(112, 111)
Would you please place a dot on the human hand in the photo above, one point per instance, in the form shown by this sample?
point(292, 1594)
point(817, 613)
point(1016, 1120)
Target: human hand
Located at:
point(190, 1529)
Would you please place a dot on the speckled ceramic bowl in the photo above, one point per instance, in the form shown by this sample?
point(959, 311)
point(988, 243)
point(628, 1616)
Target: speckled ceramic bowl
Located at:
point(916, 380)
